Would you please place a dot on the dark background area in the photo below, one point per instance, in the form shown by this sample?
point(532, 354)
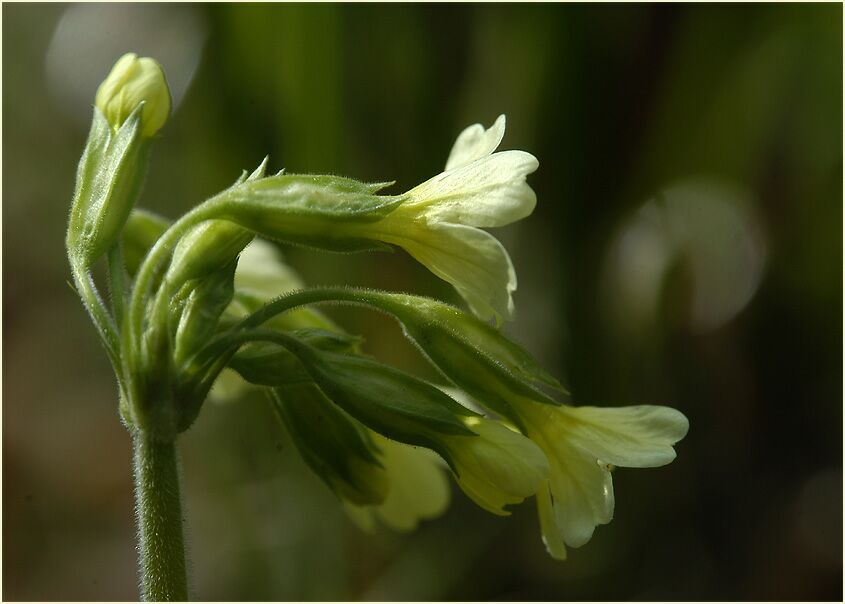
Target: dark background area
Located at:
point(686, 250)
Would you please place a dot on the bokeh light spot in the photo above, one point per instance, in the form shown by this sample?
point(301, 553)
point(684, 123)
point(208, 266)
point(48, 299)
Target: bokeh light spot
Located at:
point(710, 229)
point(89, 38)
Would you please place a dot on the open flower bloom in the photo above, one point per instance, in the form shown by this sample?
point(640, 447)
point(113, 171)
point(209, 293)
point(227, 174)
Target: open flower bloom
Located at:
point(436, 223)
point(582, 445)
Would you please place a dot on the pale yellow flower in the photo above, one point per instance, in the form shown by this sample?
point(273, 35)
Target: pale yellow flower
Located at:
point(438, 219)
point(583, 444)
point(498, 467)
point(131, 81)
point(418, 488)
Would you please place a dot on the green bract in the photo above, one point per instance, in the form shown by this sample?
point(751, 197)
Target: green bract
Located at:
point(314, 211)
point(200, 313)
point(391, 402)
point(333, 444)
point(473, 355)
point(108, 181)
point(206, 248)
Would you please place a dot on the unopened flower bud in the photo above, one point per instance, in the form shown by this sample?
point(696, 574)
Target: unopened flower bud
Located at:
point(132, 104)
point(205, 249)
point(132, 81)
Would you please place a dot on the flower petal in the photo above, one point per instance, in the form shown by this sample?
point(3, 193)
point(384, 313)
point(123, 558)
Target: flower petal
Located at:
point(470, 259)
point(418, 488)
point(498, 467)
point(552, 537)
point(634, 437)
point(582, 493)
point(475, 142)
point(581, 444)
point(488, 192)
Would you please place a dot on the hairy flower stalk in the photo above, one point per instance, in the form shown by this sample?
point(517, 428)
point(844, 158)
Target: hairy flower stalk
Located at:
point(204, 306)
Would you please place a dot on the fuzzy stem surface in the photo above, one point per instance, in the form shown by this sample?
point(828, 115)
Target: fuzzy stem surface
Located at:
point(161, 544)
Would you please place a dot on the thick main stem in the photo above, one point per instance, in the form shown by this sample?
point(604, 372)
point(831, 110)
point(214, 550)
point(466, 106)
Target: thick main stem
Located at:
point(161, 543)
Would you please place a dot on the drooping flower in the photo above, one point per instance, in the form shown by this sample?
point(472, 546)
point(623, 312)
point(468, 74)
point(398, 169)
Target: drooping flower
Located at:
point(583, 444)
point(437, 223)
point(495, 466)
point(580, 443)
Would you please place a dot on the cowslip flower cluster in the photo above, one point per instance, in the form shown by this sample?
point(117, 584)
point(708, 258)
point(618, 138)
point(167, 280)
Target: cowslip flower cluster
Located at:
point(206, 302)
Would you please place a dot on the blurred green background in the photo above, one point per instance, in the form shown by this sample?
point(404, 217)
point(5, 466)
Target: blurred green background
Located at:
point(686, 250)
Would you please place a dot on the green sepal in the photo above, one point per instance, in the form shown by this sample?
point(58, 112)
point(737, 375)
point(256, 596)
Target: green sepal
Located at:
point(203, 307)
point(473, 355)
point(329, 340)
point(261, 170)
point(387, 400)
point(333, 444)
point(375, 187)
point(423, 313)
point(141, 231)
point(468, 352)
point(205, 249)
point(143, 228)
point(108, 181)
point(270, 364)
point(198, 306)
point(256, 174)
point(309, 210)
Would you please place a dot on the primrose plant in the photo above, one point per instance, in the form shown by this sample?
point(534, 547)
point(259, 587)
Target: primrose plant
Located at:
point(206, 298)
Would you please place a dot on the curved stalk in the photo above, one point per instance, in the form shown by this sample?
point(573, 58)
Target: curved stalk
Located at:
point(310, 296)
point(99, 314)
point(216, 354)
